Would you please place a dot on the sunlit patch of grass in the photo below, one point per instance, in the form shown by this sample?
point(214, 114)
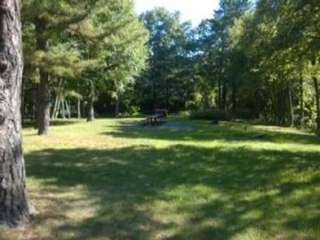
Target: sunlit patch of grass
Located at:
point(114, 179)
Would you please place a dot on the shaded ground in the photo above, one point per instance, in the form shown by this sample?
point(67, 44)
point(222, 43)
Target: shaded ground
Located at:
point(116, 180)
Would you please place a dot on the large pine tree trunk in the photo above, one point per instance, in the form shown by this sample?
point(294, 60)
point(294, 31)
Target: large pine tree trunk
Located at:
point(13, 200)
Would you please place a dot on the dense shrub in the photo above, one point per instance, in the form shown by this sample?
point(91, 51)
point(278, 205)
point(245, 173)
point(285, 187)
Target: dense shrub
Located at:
point(212, 115)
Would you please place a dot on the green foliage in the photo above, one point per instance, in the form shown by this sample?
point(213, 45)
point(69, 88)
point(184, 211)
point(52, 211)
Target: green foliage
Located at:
point(262, 60)
point(99, 43)
point(214, 115)
point(168, 81)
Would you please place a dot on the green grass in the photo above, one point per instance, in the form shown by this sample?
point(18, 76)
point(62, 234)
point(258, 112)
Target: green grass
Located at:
point(188, 180)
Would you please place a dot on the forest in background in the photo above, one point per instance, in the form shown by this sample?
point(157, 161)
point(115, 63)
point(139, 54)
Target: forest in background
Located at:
point(252, 60)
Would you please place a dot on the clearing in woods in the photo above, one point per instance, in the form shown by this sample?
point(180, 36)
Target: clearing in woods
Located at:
point(112, 179)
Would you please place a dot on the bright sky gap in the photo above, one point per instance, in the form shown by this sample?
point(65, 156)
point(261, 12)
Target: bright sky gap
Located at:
point(191, 10)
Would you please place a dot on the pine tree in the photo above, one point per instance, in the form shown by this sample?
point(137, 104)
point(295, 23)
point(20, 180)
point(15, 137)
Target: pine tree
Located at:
point(13, 200)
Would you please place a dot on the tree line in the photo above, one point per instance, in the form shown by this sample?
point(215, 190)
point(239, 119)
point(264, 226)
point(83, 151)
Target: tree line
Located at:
point(75, 51)
point(252, 60)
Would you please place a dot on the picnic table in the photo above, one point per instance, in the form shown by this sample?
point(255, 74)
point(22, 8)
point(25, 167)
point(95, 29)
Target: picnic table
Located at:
point(162, 112)
point(154, 120)
point(157, 119)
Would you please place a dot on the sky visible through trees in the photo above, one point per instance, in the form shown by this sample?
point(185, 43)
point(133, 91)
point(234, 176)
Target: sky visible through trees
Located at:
point(191, 10)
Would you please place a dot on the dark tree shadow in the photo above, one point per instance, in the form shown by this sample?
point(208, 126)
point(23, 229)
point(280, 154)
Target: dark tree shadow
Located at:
point(257, 189)
point(54, 123)
point(179, 130)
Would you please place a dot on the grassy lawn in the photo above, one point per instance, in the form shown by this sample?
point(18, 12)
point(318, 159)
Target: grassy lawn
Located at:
point(112, 179)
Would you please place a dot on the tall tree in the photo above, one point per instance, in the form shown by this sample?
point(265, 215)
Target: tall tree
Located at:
point(13, 200)
point(164, 83)
point(49, 20)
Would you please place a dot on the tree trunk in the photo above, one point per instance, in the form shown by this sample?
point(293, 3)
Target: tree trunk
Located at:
point(317, 91)
point(90, 116)
point(43, 106)
point(220, 93)
point(117, 107)
point(234, 97)
point(301, 103)
point(68, 109)
point(79, 108)
point(291, 107)
point(55, 108)
point(63, 109)
point(34, 103)
point(14, 209)
point(224, 96)
point(167, 94)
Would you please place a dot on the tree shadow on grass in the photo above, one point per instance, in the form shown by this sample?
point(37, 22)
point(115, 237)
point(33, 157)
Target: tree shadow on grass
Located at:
point(186, 192)
point(55, 123)
point(198, 131)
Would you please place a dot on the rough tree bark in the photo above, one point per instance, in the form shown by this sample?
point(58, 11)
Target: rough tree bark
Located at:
point(14, 209)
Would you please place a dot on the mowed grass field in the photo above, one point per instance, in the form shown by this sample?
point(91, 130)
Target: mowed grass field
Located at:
point(113, 179)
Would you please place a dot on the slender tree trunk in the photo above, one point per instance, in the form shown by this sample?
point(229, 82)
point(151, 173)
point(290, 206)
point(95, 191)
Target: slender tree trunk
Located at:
point(90, 110)
point(55, 108)
point(68, 109)
point(317, 91)
point(63, 109)
point(14, 209)
point(154, 94)
point(301, 102)
point(291, 107)
point(224, 96)
point(58, 109)
point(43, 108)
point(167, 94)
point(43, 104)
point(234, 98)
point(117, 107)
point(220, 93)
point(90, 116)
point(34, 102)
point(79, 108)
